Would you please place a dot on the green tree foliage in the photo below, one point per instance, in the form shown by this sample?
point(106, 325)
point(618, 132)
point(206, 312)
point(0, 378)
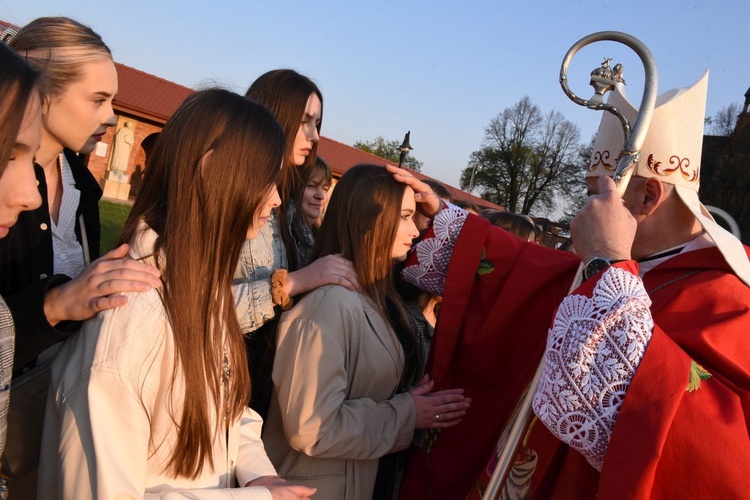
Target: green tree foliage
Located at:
point(388, 150)
point(527, 160)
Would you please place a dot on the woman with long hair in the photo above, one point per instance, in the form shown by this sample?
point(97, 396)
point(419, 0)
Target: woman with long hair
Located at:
point(20, 135)
point(297, 103)
point(48, 268)
point(152, 396)
point(271, 271)
point(342, 355)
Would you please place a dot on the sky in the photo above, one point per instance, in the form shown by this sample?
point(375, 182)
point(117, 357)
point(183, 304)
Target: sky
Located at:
point(441, 70)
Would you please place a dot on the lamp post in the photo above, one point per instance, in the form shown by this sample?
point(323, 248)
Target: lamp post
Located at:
point(404, 148)
point(471, 180)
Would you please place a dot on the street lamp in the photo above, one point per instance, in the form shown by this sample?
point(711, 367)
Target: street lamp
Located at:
point(471, 180)
point(404, 148)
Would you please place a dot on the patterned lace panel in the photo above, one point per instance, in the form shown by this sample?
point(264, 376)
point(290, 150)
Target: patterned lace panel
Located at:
point(593, 350)
point(434, 254)
point(7, 345)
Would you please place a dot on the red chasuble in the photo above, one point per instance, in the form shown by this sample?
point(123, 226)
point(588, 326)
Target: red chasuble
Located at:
point(499, 299)
point(683, 429)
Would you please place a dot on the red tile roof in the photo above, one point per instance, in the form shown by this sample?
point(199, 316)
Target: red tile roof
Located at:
point(147, 95)
point(153, 97)
point(342, 157)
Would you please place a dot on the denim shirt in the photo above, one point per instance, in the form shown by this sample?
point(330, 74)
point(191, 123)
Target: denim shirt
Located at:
point(252, 278)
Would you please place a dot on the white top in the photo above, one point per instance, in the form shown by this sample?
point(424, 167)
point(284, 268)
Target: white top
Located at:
point(66, 250)
point(109, 426)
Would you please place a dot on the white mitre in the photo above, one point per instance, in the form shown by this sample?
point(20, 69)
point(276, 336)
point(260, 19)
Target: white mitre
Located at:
point(671, 153)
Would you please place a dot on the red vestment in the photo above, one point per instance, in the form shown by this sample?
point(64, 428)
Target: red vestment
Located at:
point(667, 443)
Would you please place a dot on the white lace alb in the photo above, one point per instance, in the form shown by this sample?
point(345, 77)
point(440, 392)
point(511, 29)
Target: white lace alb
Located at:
point(434, 254)
point(593, 349)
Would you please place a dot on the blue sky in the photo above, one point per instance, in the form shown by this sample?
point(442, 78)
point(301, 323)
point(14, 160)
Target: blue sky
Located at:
point(439, 69)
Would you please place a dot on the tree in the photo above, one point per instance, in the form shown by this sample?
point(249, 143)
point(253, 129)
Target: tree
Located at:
point(724, 122)
point(388, 150)
point(577, 197)
point(527, 160)
point(725, 178)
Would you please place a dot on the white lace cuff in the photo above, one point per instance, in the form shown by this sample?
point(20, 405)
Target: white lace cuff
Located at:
point(593, 349)
point(434, 254)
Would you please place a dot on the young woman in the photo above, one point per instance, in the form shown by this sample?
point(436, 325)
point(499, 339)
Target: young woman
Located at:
point(341, 354)
point(152, 396)
point(308, 201)
point(20, 135)
point(46, 269)
point(270, 272)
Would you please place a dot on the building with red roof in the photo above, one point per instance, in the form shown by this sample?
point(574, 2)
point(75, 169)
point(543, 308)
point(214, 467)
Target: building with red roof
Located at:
point(147, 101)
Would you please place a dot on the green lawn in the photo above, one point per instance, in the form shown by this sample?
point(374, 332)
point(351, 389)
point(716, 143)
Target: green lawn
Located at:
point(112, 217)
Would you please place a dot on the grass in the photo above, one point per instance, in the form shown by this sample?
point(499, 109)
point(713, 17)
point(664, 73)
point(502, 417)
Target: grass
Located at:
point(112, 217)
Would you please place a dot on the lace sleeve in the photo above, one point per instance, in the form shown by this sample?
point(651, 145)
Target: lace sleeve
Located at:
point(593, 349)
point(434, 252)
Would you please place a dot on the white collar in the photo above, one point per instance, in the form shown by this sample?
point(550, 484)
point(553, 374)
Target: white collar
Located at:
point(701, 241)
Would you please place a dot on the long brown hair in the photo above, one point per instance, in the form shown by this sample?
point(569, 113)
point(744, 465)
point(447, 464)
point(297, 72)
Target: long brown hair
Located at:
point(17, 85)
point(285, 93)
point(361, 223)
point(211, 167)
point(60, 46)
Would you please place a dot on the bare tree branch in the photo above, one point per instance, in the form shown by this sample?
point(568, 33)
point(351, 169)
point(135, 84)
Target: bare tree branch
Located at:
point(527, 159)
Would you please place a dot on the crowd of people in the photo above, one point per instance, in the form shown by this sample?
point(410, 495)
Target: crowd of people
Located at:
point(259, 333)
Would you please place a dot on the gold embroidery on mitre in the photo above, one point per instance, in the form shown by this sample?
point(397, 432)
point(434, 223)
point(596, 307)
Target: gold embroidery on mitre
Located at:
point(688, 173)
point(681, 164)
point(599, 159)
point(654, 165)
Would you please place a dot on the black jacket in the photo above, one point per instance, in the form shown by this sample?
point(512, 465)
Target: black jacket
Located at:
point(26, 264)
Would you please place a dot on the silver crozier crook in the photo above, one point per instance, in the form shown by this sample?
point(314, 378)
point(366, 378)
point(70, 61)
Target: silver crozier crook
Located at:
point(603, 79)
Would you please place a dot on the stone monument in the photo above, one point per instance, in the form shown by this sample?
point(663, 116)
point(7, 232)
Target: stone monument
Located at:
point(116, 181)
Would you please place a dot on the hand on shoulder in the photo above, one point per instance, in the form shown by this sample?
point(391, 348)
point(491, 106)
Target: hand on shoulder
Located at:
point(100, 286)
point(328, 270)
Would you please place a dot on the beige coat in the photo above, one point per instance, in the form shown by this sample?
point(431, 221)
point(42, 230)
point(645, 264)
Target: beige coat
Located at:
point(334, 412)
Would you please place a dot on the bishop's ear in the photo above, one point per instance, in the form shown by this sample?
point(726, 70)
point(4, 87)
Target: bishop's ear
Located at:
point(653, 193)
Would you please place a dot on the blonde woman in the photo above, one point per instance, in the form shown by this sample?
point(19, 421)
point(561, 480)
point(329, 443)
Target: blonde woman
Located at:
point(49, 272)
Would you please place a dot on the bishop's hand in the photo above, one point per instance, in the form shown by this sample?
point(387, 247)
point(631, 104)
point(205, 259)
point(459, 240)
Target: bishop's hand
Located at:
point(428, 203)
point(604, 227)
